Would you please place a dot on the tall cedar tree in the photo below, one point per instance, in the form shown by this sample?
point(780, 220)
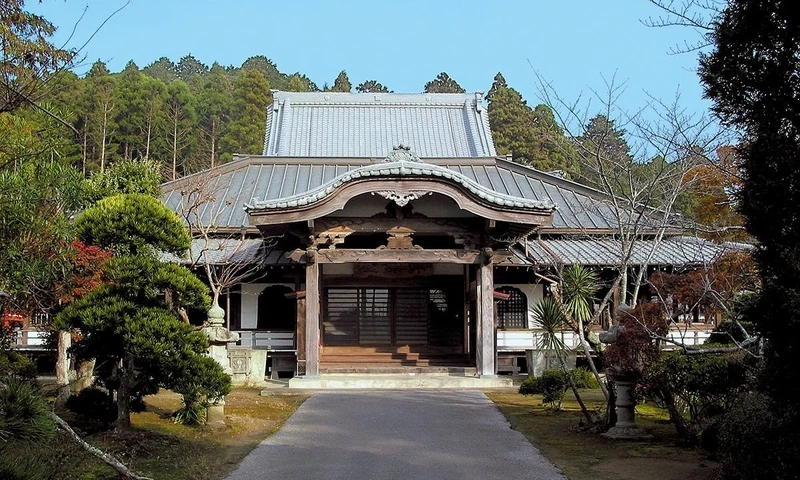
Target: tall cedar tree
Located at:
point(753, 78)
point(342, 83)
point(162, 69)
point(372, 86)
point(213, 111)
point(251, 97)
point(268, 69)
point(532, 137)
point(443, 84)
point(102, 106)
point(29, 60)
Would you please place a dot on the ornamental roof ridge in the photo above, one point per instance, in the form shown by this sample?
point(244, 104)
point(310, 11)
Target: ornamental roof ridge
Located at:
point(372, 98)
point(402, 153)
point(399, 162)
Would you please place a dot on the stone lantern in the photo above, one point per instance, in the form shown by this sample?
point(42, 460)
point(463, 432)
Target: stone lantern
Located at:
point(218, 338)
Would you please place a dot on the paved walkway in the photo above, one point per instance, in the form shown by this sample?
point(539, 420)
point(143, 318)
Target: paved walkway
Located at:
point(376, 435)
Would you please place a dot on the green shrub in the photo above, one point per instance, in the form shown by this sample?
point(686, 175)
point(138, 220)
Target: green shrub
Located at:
point(13, 363)
point(696, 389)
point(191, 413)
point(94, 404)
point(551, 386)
point(756, 442)
point(16, 468)
point(24, 414)
point(583, 378)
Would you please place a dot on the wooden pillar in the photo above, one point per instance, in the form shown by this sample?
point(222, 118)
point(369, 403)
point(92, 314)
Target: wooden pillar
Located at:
point(301, 332)
point(484, 343)
point(312, 315)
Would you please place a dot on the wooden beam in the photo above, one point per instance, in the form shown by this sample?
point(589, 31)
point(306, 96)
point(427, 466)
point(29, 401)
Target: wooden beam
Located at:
point(440, 226)
point(394, 256)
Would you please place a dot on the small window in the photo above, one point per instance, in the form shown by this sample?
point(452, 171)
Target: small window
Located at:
point(512, 313)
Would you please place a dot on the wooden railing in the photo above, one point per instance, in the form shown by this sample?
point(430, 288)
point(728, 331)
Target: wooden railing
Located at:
point(266, 340)
point(29, 339)
point(518, 340)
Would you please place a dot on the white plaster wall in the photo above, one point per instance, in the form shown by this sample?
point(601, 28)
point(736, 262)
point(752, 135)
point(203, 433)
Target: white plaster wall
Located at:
point(249, 298)
point(337, 269)
point(433, 206)
point(437, 205)
point(534, 292)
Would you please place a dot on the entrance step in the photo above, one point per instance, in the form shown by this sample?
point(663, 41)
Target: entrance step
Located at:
point(398, 381)
point(382, 368)
point(400, 357)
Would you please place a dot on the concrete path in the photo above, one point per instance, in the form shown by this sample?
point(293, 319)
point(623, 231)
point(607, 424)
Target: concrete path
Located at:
point(446, 434)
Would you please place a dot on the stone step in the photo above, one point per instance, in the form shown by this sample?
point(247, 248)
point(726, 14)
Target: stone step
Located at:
point(398, 381)
point(399, 360)
point(394, 369)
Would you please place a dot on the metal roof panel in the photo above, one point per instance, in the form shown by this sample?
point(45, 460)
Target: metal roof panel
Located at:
point(328, 124)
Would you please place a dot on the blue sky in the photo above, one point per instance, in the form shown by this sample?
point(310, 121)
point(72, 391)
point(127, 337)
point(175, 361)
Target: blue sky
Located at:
point(574, 44)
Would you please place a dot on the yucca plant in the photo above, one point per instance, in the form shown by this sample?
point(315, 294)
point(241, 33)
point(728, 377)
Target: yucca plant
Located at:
point(579, 286)
point(23, 412)
point(552, 320)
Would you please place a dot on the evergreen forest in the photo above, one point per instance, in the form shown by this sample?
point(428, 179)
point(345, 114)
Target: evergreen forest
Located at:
point(188, 116)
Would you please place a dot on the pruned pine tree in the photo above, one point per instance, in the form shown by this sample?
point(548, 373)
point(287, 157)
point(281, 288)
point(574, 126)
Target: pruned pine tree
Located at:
point(131, 324)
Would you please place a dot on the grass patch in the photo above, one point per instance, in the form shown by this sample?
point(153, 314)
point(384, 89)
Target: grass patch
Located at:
point(587, 456)
point(158, 448)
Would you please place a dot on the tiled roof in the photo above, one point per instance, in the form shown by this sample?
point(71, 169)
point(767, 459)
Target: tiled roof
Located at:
point(607, 251)
point(271, 179)
point(221, 251)
point(364, 125)
point(267, 179)
point(404, 164)
point(599, 252)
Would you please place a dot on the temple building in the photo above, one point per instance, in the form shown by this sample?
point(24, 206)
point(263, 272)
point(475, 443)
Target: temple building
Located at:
point(382, 234)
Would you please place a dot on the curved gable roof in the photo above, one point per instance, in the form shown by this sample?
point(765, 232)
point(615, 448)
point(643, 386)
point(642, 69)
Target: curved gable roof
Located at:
point(403, 164)
point(252, 179)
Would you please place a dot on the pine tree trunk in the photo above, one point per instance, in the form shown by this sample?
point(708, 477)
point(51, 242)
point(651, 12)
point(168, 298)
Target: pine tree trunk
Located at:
point(147, 142)
point(123, 420)
point(111, 460)
point(175, 149)
point(62, 368)
point(83, 160)
point(103, 142)
point(213, 142)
